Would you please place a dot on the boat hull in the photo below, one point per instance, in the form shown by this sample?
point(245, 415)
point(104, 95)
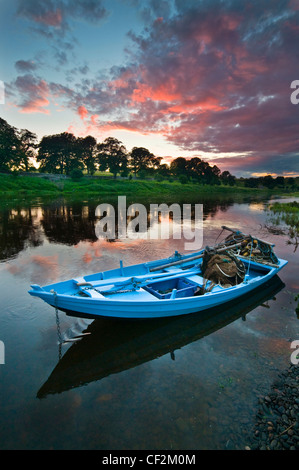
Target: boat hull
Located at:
point(129, 306)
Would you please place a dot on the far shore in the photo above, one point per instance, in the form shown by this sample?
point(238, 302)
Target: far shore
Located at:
point(56, 186)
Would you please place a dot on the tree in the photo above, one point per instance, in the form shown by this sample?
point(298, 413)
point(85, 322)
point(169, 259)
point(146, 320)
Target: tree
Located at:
point(211, 174)
point(198, 169)
point(268, 181)
point(47, 155)
point(178, 166)
point(251, 182)
point(9, 147)
point(279, 181)
point(87, 146)
point(112, 156)
point(291, 182)
point(164, 170)
point(59, 153)
point(143, 159)
point(227, 178)
point(216, 174)
point(27, 145)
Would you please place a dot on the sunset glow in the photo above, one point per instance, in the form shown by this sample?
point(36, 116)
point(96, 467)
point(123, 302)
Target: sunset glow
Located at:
point(209, 79)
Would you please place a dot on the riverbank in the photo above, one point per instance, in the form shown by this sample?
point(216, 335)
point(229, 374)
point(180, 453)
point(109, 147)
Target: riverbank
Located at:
point(31, 186)
point(277, 420)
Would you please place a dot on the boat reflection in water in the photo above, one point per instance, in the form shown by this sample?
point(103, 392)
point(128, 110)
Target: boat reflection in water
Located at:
point(115, 345)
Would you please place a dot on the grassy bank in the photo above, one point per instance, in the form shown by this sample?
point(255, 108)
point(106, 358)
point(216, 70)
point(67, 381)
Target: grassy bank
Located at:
point(32, 186)
point(286, 215)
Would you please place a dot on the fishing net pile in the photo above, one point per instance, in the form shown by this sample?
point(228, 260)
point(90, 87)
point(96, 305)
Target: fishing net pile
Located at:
point(252, 248)
point(223, 268)
point(226, 268)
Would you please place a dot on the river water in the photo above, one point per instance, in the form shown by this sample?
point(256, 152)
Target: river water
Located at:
point(181, 383)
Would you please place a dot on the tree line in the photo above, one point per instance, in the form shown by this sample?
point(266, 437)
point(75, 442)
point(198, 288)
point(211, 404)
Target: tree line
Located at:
point(66, 154)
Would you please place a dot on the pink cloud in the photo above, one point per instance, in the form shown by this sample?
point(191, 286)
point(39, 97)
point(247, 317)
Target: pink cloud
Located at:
point(49, 18)
point(35, 106)
point(163, 92)
point(34, 94)
point(94, 119)
point(82, 112)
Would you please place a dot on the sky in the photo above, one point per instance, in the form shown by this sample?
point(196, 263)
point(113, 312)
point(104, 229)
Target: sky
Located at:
point(204, 78)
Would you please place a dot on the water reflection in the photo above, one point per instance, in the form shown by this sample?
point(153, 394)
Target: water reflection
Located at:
point(19, 227)
point(69, 222)
point(115, 345)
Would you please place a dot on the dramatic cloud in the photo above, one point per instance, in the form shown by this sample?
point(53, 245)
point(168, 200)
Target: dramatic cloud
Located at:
point(57, 13)
point(24, 66)
point(34, 94)
point(214, 78)
point(257, 165)
point(211, 77)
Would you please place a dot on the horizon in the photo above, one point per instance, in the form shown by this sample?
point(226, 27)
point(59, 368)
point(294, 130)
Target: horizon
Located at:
point(182, 79)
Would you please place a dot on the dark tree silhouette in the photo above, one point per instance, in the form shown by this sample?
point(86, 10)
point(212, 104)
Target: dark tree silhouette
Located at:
point(9, 147)
point(142, 159)
point(112, 156)
point(28, 143)
point(87, 148)
point(59, 153)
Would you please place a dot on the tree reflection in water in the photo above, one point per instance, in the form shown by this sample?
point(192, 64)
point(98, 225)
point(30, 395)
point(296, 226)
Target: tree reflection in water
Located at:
point(64, 222)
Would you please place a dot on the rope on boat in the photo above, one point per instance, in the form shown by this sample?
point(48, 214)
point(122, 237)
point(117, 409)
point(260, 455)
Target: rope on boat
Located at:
point(118, 290)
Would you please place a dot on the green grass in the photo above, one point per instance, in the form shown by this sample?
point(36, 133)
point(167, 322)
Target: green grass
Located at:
point(18, 186)
point(143, 189)
point(31, 186)
point(287, 214)
point(286, 207)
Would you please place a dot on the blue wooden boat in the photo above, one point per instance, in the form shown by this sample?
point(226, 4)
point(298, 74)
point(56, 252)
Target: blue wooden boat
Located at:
point(167, 287)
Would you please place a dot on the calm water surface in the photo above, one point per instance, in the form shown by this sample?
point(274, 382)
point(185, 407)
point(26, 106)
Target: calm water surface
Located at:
point(181, 383)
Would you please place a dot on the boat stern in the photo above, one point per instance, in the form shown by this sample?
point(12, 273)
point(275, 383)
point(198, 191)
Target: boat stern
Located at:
point(281, 263)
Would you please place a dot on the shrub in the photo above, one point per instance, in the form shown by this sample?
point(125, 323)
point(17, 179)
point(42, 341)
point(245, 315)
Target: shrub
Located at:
point(76, 174)
point(183, 179)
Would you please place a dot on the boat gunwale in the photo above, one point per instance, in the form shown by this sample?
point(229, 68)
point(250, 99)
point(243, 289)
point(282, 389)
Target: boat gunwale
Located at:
point(191, 299)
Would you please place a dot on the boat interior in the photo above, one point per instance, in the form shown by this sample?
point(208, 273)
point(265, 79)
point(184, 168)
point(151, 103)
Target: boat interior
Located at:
point(138, 281)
